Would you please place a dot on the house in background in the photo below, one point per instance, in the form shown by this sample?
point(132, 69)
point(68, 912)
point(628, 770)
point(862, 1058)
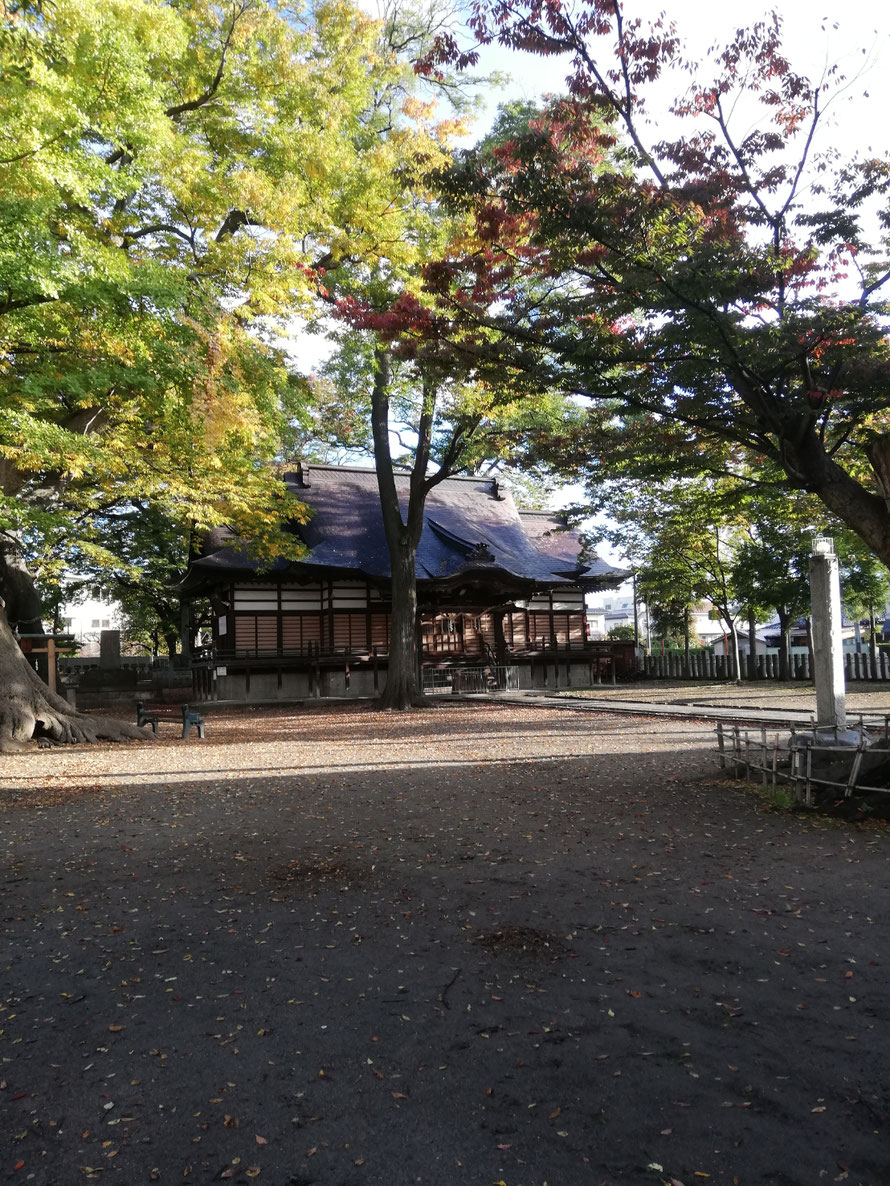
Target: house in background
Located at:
point(86, 619)
point(496, 586)
point(617, 609)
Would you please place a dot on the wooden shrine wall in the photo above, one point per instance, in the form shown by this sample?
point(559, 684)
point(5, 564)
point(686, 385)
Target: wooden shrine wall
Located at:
point(350, 617)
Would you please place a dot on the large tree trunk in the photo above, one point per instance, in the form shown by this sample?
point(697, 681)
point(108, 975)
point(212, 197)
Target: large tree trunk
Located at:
point(806, 461)
point(402, 689)
point(752, 645)
point(186, 632)
point(28, 709)
point(784, 643)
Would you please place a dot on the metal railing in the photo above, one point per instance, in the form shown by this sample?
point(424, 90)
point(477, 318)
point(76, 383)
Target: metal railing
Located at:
point(470, 680)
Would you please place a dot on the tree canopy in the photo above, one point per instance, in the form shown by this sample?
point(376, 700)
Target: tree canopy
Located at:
point(172, 176)
point(712, 279)
point(177, 181)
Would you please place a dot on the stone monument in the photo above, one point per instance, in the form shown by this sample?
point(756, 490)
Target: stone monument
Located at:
point(828, 657)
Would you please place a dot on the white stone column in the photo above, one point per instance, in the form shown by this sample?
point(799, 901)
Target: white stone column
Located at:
point(825, 602)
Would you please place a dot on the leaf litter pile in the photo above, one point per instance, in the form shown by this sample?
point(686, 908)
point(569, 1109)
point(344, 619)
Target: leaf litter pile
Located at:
point(476, 944)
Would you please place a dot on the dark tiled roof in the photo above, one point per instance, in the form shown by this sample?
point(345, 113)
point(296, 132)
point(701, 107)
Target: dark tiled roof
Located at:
point(471, 530)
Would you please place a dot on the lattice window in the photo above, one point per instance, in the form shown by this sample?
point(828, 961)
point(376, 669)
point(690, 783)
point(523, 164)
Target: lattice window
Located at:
point(380, 626)
point(539, 629)
point(516, 632)
point(256, 632)
point(350, 632)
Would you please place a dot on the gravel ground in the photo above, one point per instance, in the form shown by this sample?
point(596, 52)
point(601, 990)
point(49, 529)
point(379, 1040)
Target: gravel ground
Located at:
point(475, 945)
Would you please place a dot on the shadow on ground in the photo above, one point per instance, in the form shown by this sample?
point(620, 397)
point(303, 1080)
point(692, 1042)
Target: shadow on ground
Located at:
point(596, 969)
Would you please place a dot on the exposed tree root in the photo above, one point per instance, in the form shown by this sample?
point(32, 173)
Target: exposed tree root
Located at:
point(30, 711)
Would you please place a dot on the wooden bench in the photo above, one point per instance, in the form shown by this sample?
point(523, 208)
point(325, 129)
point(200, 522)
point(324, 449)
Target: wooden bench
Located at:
point(150, 714)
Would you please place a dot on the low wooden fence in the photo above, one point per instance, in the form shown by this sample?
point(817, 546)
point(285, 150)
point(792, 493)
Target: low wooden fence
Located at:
point(704, 665)
point(799, 759)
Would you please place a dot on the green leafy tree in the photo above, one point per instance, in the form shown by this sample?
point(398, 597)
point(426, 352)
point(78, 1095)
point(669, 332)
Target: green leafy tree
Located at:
point(682, 538)
point(621, 634)
point(771, 568)
point(175, 182)
point(397, 388)
point(138, 556)
point(670, 588)
point(418, 414)
point(865, 584)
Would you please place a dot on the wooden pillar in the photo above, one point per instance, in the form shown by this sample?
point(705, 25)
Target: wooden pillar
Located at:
point(500, 642)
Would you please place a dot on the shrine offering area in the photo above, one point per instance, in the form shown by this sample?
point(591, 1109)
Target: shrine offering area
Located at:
point(477, 944)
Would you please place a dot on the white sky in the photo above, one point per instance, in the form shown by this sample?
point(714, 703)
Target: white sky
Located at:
point(856, 36)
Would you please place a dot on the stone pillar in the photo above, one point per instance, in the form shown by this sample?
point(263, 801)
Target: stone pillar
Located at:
point(110, 649)
point(825, 600)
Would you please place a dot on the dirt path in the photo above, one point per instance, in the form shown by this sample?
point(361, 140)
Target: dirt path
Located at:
point(476, 945)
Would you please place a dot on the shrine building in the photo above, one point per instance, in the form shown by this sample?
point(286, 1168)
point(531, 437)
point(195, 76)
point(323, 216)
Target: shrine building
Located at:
point(497, 588)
